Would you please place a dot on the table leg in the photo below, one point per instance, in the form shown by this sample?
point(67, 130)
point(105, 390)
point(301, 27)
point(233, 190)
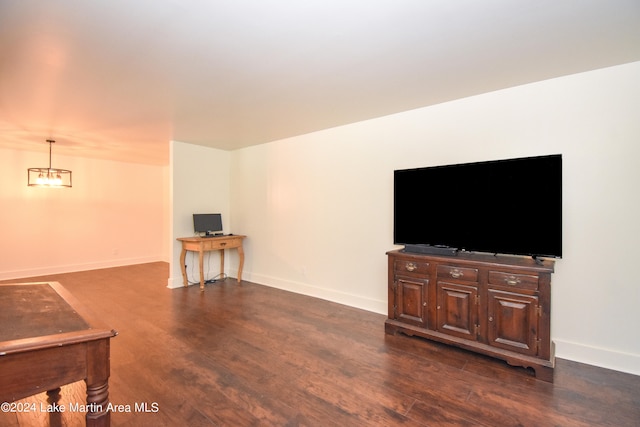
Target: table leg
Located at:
point(201, 265)
point(53, 396)
point(98, 383)
point(55, 416)
point(221, 262)
point(183, 266)
point(241, 256)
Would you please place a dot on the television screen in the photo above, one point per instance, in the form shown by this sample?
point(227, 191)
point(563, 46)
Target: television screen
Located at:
point(509, 206)
point(207, 223)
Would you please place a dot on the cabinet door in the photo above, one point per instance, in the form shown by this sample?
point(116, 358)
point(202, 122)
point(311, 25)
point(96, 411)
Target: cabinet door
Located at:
point(457, 309)
point(513, 321)
point(411, 301)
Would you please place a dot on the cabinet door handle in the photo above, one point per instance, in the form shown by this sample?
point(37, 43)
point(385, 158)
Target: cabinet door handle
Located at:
point(411, 266)
point(455, 273)
point(512, 280)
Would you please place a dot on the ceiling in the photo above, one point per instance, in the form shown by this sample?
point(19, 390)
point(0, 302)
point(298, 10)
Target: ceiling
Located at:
point(119, 79)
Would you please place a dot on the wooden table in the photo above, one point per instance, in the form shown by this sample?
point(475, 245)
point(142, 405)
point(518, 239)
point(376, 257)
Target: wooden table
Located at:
point(47, 339)
point(204, 244)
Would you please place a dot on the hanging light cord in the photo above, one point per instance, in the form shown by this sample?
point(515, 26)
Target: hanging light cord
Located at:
point(50, 141)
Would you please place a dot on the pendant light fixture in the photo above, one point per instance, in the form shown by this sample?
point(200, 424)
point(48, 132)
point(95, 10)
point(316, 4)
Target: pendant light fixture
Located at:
point(49, 177)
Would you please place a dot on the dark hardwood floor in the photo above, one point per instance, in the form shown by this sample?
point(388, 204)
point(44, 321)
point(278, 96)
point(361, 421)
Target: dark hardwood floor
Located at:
point(248, 355)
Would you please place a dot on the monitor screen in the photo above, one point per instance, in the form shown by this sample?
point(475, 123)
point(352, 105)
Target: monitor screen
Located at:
point(207, 223)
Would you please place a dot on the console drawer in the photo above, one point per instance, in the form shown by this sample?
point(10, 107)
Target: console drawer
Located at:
point(459, 273)
point(513, 280)
point(411, 266)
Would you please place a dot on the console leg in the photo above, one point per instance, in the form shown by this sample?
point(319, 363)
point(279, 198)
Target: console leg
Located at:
point(390, 329)
point(544, 373)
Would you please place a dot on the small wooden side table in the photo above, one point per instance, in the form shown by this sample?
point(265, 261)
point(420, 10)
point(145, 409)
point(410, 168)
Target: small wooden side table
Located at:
point(204, 244)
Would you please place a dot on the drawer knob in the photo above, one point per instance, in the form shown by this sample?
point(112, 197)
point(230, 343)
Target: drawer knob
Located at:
point(411, 266)
point(455, 273)
point(512, 280)
point(223, 244)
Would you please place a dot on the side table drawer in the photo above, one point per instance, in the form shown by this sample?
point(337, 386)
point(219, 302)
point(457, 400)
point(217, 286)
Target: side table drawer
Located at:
point(214, 244)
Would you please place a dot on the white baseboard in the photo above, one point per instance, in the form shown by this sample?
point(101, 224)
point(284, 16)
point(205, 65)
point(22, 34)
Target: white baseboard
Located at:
point(70, 268)
point(602, 357)
point(350, 300)
point(174, 282)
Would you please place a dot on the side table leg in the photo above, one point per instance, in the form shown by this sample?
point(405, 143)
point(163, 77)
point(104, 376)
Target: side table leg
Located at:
point(201, 265)
point(241, 265)
point(183, 266)
point(221, 262)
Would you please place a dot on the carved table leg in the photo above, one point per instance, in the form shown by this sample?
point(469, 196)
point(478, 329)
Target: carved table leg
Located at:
point(97, 402)
point(55, 416)
point(97, 382)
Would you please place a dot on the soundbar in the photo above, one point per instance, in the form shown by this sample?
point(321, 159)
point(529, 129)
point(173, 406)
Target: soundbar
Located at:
point(431, 250)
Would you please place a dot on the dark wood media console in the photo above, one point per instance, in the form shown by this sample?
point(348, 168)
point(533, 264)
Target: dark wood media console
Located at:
point(495, 305)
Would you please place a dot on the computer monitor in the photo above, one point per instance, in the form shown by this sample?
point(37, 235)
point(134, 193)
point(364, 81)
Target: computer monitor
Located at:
point(210, 224)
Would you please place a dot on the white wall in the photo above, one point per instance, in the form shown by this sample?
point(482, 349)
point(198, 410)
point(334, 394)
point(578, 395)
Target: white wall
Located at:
point(115, 214)
point(318, 208)
point(200, 183)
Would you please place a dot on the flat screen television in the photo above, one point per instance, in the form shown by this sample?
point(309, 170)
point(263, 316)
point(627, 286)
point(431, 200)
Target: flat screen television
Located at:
point(210, 224)
point(509, 206)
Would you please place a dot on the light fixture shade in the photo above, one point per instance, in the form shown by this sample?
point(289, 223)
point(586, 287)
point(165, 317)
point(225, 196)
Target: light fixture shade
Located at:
point(49, 177)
